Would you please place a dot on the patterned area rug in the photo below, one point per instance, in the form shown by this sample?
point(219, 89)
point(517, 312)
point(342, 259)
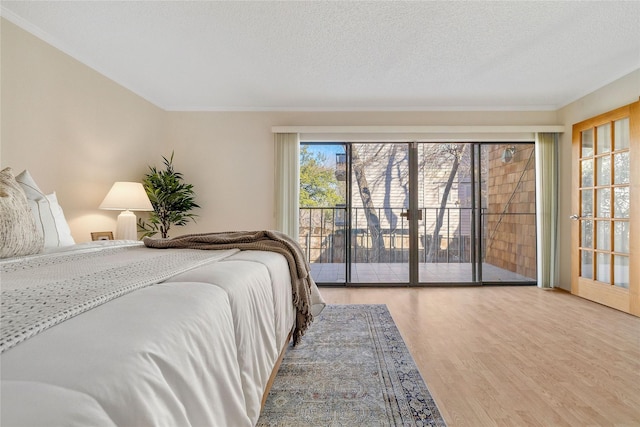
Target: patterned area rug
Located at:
point(352, 368)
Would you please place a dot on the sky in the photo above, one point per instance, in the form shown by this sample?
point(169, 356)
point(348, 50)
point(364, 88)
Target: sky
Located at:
point(329, 150)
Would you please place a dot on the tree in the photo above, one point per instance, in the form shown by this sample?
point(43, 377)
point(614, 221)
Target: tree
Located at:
point(318, 184)
point(446, 153)
point(373, 221)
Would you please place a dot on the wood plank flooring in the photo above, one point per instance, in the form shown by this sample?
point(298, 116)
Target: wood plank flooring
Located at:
point(516, 356)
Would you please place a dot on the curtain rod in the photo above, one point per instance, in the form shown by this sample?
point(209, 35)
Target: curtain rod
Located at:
point(419, 129)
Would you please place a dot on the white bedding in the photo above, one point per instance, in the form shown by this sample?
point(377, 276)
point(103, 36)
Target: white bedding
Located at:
point(263, 278)
point(196, 350)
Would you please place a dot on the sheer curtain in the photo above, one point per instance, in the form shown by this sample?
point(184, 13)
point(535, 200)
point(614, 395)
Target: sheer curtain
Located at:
point(547, 208)
point(287, 185)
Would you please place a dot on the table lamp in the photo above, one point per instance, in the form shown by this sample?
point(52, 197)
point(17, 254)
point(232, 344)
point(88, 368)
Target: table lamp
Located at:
point(127, 197)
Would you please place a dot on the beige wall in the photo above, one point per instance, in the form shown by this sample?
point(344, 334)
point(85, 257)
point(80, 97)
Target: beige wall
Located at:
point(78, 132)
point(75, 130)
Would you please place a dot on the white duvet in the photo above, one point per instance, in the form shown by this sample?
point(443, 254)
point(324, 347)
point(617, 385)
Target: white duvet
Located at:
point(196, 350)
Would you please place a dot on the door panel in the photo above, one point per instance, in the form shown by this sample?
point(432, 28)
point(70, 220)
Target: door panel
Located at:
point(323, 218)
point(446, 229)
point(508, 208)
point(606, 202)
point(380, 243)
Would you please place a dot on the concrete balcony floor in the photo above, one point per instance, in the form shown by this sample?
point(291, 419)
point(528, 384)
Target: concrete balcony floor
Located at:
point(398, 273)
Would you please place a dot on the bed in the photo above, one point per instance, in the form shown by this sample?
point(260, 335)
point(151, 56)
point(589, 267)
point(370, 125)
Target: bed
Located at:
point(117, 333)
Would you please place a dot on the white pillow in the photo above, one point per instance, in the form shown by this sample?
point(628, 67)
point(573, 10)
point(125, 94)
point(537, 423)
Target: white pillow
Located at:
point(46, 212)
point(29, 186)
point(51, 222)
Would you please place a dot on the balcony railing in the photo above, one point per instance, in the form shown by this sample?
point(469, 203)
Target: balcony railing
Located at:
point(323, 231)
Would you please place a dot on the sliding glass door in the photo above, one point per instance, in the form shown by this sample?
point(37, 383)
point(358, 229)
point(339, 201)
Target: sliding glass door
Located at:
point(418, 213)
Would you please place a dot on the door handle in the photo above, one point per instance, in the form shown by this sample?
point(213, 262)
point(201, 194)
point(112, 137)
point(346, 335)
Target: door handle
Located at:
point(406, 214)
point(575, 217)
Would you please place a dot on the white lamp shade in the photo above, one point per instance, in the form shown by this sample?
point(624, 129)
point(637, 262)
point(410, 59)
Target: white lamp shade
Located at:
point(127, 196)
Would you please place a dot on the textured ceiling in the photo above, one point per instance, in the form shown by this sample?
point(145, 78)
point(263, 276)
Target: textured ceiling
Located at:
point(388, 55)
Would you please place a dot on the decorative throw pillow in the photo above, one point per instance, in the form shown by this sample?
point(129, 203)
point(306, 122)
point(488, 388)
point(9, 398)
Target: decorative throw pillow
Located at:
point(18, 233)
point(46, 212)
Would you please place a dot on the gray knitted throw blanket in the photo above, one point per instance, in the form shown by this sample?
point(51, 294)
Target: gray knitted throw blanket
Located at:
point(266, 240)
point(39, 292)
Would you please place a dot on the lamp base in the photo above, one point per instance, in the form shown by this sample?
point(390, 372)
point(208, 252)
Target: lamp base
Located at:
point(127, 227)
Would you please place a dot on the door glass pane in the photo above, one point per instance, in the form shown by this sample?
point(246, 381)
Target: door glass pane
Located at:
point(508, 207)
point(603, 268)
point(621, 134)
point(587, 203)
point(604, 235)
point(322, 213)
point(587, 173)
point(587, 143)
point(603, 203)
point(621, 168)
point(379, 196)
point(586, 264)
point(621, 202)
point(621, 271)
point(587, 234)
point(621, 237)
point(603, 144)
point(603, 170)
point(444, 232)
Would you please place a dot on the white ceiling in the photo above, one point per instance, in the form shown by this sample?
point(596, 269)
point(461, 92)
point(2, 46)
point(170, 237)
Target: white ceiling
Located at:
point(339, 55)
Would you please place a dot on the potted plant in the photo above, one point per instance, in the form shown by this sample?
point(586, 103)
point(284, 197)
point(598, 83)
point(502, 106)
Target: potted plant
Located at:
point(171, 197)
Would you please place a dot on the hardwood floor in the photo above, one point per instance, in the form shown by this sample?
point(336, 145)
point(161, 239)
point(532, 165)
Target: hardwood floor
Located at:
point(516, 356)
